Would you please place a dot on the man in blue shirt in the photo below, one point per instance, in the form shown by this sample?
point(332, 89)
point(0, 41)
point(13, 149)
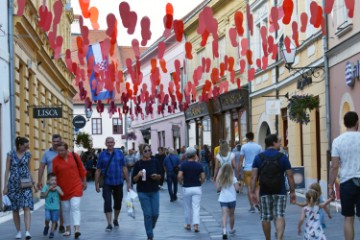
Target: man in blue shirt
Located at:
point(113, 180)
point(170, 163)
point(271, 202)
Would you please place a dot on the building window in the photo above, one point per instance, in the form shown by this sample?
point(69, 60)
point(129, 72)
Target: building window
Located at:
point(159, 139)
point(117, 126)
point(96, 126)
point(163, 138)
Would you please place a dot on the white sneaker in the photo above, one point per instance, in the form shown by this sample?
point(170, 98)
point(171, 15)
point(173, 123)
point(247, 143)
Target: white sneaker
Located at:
point(27, 235)
point(18, 235)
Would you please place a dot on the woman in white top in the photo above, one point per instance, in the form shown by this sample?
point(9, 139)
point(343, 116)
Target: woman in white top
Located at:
point(228, 185)
point(225, 156)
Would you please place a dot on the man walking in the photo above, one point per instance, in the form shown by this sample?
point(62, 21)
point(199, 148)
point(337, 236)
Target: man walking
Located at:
point(171, 166)
point(112, 165)
point(130, 162)
point(345, 154)
point(269, 168)
point(160, 157)
point(46, 161)
point(248, 151)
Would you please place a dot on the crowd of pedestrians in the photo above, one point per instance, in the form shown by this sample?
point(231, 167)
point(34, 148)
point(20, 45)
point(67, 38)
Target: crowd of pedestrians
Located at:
point(267, 174)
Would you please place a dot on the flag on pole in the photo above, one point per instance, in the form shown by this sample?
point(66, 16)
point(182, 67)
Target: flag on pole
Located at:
point(95, 51)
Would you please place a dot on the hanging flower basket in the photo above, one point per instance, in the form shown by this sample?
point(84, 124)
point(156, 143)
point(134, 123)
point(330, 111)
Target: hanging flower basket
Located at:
point(300, 106)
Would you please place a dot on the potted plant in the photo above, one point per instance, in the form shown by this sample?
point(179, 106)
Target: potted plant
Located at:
point(300, 106)
point(84, 139)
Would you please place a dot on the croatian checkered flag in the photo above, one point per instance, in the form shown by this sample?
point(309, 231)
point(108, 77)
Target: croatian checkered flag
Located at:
point(100, 64)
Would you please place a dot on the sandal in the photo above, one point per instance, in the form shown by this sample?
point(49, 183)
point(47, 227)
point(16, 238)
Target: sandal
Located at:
point(67, 234)
point(196, 228)
point(187, 227)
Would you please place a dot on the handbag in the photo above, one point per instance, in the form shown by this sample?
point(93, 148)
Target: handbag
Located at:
point(26, 182)
point(102, 176)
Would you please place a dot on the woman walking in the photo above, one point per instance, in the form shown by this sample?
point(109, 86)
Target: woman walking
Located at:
point(18, 184)
point(147, 174)
point(191, 176)
point(71, 177)
point(225, 156)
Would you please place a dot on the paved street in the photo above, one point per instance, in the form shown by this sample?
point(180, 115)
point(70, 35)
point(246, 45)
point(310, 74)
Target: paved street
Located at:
point(170, 224)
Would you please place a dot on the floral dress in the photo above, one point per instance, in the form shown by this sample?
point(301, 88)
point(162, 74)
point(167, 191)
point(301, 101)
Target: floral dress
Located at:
point(19, 197)
point(313, 229)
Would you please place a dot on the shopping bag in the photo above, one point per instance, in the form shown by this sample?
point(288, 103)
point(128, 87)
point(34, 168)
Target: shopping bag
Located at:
point(6, 203)
point(131, 196)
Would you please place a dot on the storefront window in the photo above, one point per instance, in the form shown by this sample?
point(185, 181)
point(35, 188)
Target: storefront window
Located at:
point(192, 133)
point(206, 123)
point(228, 127)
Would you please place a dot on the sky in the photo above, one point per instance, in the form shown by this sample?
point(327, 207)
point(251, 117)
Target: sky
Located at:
point(154, 9)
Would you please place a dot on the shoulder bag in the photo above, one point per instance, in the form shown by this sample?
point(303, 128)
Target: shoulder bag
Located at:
point(102, 176)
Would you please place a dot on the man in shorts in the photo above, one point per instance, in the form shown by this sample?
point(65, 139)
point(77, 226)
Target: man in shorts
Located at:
point(345, 154)
point(248, 152)
point(272, 204)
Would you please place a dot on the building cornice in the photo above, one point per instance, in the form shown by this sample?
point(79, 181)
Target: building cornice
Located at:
point(157, 120)
point(343, 45)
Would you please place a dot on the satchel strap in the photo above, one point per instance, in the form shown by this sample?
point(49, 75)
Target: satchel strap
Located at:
point(108, 164)
point(77, 164)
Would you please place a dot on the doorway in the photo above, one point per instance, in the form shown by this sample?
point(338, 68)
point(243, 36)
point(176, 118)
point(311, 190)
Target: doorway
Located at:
point(263, 132)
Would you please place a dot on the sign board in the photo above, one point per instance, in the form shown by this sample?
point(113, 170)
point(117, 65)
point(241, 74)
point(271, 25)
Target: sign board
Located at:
point(273, 107)
point(47, 112)
point(79, 122)
point(352, 72)
point(299, 177)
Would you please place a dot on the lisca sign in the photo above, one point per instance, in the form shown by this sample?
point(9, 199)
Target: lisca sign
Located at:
point(47, 112)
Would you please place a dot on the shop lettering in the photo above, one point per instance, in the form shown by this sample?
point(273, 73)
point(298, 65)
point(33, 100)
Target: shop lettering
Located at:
point(47, 113)
point(50, 112)
point(352, 72)
point(232, 99)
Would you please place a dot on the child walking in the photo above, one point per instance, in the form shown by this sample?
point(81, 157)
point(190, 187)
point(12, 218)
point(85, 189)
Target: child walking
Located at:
point(51, 192)
point(311, 215)
point(228, 185)
point(316, 186)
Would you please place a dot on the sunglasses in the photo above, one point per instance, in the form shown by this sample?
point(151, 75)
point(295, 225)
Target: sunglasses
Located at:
point(147, 151)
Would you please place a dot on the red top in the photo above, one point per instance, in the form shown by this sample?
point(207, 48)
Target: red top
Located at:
point(69, 176)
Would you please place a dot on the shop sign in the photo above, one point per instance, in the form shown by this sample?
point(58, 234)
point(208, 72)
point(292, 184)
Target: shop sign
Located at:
point(47, 112)
point(352, 72)
point(232, 100)
point(273, 107)
point(79, 122)
point(196, 110)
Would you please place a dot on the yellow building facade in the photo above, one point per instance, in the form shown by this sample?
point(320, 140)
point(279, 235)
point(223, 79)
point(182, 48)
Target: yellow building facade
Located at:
point(225, 116)
point(307, 145)
point(41, 81)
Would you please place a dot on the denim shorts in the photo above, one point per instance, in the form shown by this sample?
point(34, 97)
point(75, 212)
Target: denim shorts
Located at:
point(349, 198)
point(52, 215)
point(272, 206)
point(228, 204)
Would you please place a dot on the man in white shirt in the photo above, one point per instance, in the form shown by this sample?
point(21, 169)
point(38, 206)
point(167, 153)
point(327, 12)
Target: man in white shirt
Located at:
point(345, 154)
point(249, 151)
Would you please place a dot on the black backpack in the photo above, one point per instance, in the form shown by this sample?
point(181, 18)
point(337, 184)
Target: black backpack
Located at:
point(271, 175)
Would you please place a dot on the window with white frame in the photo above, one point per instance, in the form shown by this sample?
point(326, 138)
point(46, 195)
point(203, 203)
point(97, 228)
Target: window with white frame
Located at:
point(96, 126)
point(117, 126)
point(310, 29)
point(341, 14)
point(201, 55)
point(258, 51)
point(222, 50)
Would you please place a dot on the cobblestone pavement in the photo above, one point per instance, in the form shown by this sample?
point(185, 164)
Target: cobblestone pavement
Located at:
point(171, 220)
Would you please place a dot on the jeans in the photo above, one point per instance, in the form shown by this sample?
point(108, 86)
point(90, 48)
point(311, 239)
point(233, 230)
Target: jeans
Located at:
point(117, 192)
point(192, 197)
point(206, 168)
point(172, 180)
point(150, 206)
point(71, 207)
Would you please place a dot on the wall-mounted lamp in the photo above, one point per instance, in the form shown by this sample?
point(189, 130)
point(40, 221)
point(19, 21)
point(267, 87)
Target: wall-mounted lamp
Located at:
point(305, 72)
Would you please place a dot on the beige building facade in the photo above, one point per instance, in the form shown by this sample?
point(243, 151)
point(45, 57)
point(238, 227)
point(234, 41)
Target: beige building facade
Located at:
point(307, 145)
point(41, 81)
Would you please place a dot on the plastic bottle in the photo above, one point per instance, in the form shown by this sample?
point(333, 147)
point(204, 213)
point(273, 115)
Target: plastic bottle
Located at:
point(143, 174)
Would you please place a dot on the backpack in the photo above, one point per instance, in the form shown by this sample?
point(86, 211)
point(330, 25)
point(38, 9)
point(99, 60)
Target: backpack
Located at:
point(271, 176)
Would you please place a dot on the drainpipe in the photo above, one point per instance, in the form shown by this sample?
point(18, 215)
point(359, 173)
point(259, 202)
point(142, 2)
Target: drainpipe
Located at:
point(11, 70)
point(327, 88)
point(276, 82)
point(249, 112)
